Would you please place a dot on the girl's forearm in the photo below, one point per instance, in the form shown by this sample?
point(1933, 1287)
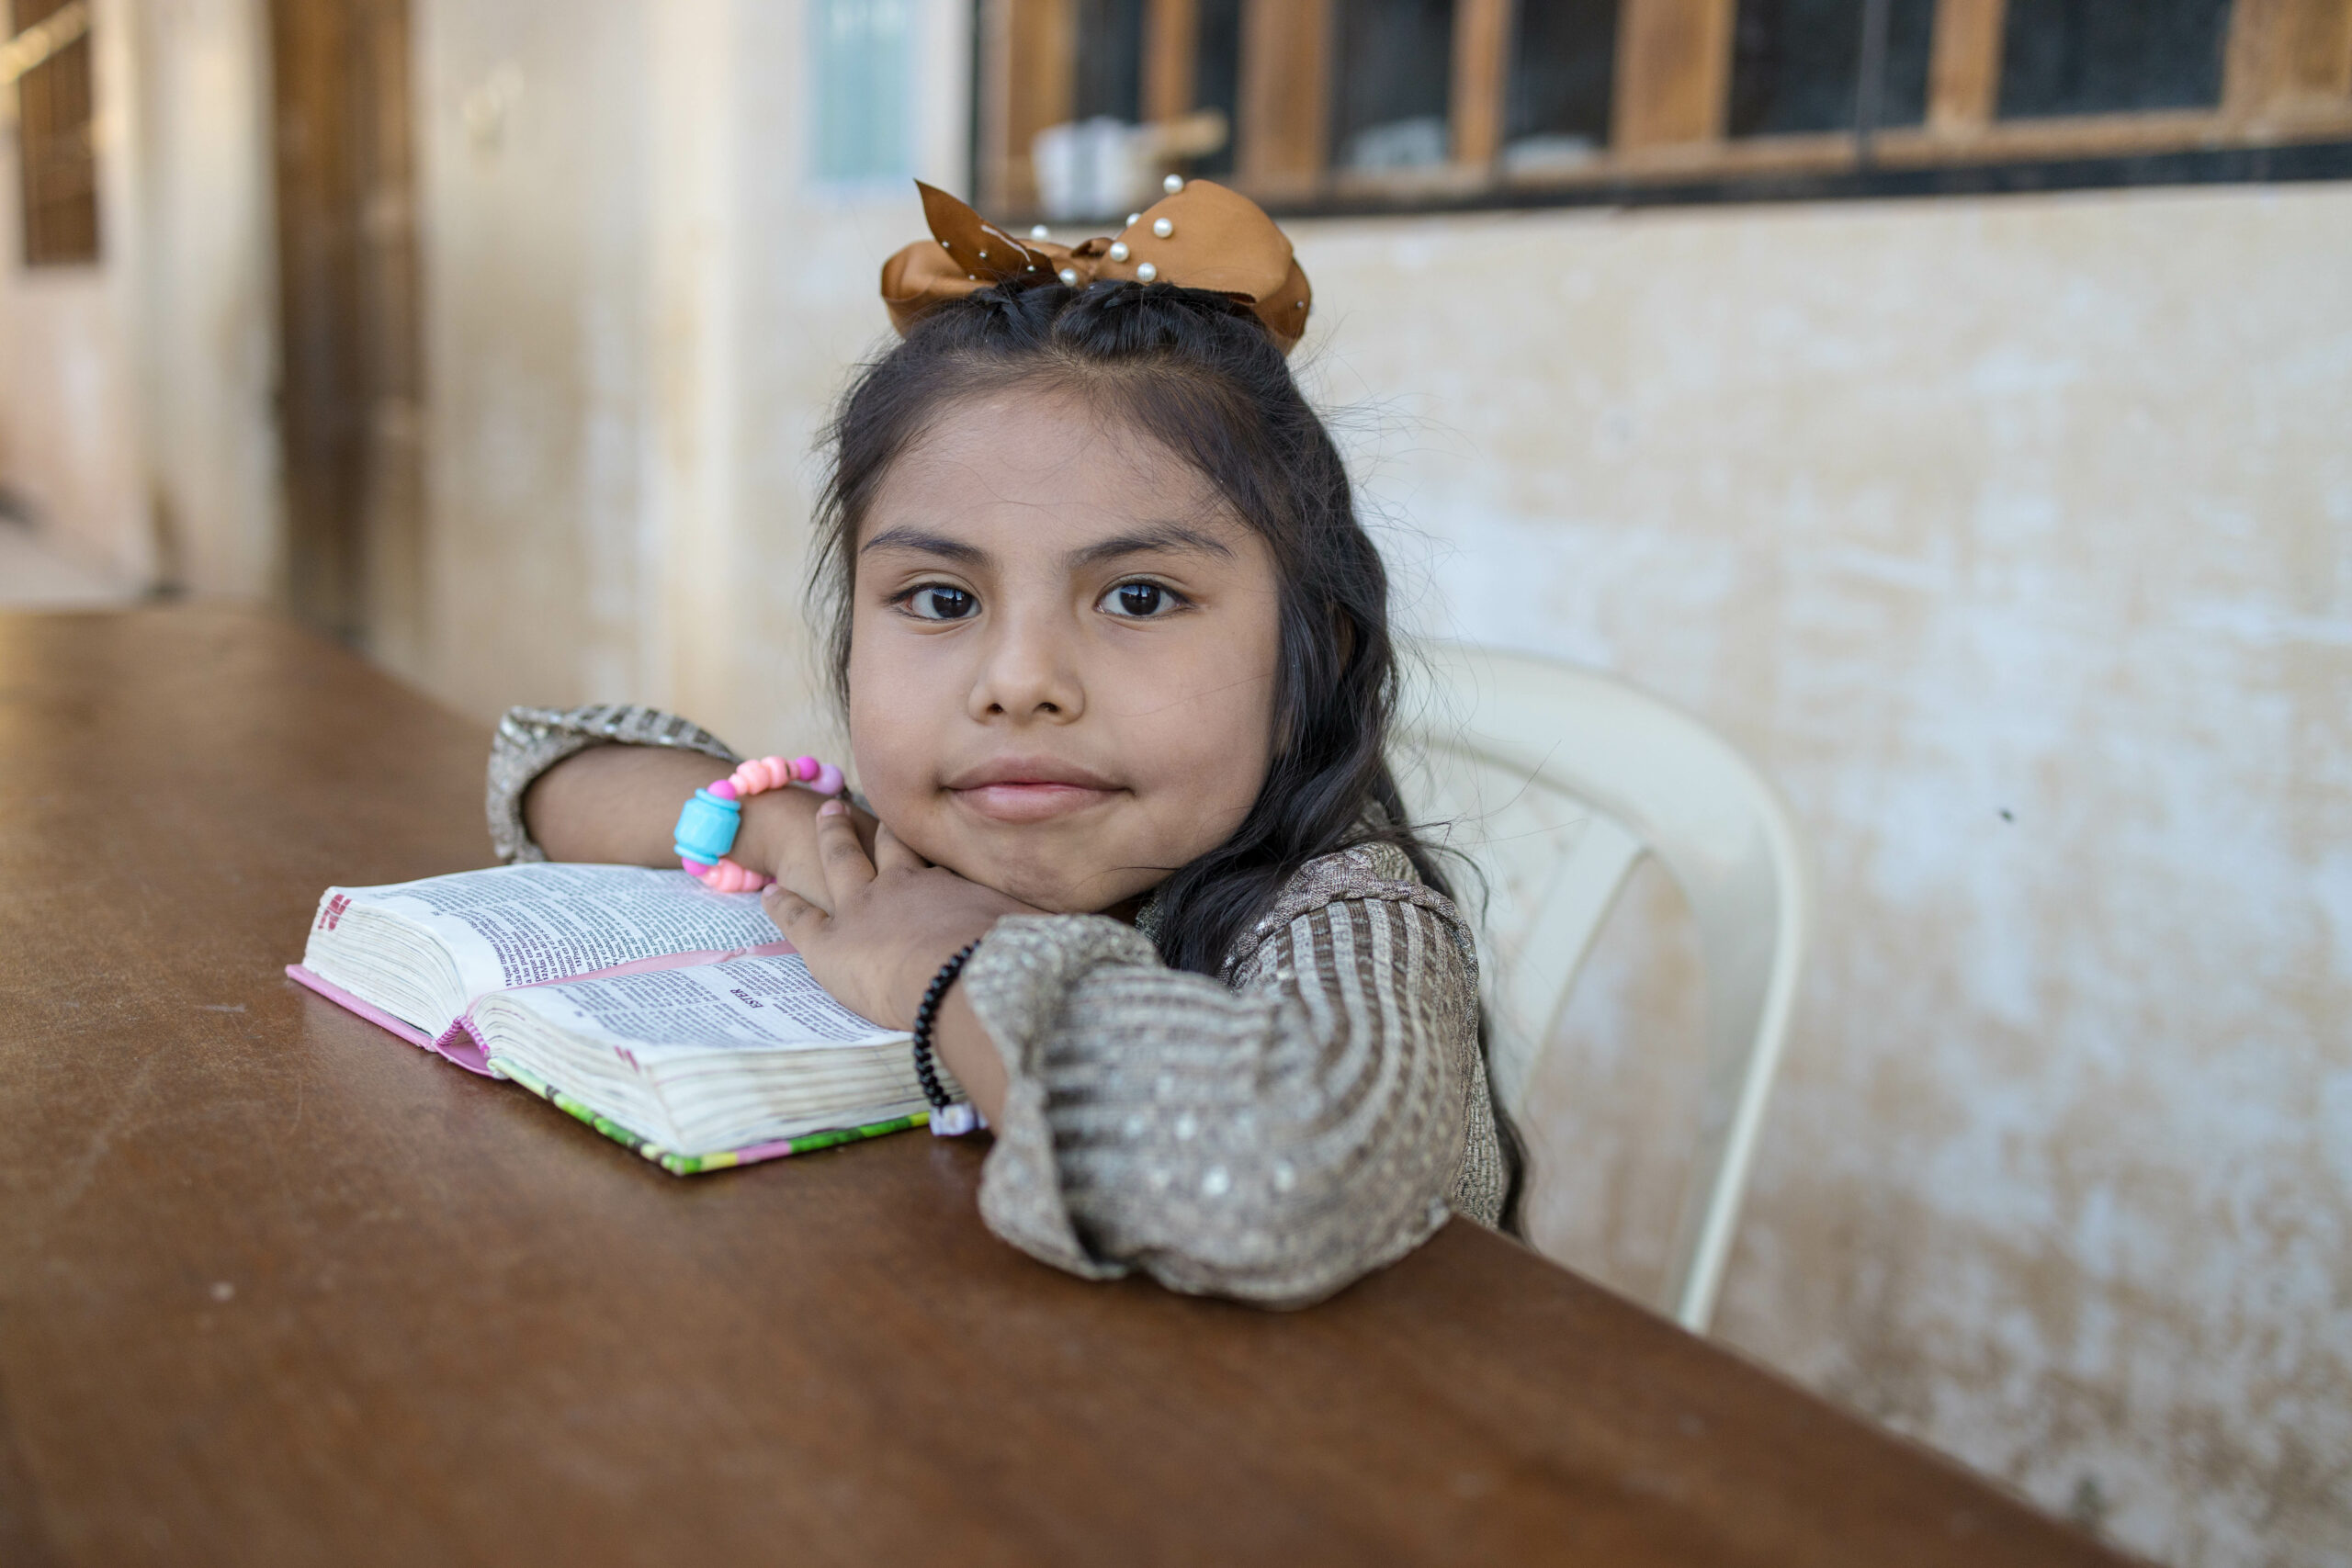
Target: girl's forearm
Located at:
point(615, 803)
point(964, 1044)
point(618, 805)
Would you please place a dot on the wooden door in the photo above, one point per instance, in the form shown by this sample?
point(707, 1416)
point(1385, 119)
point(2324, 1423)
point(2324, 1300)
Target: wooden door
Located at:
point(350, 381)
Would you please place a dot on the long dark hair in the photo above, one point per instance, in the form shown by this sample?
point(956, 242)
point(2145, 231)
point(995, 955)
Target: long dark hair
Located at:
point(1199, 373)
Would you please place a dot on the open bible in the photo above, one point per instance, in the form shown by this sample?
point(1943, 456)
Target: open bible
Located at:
point(668, 1018)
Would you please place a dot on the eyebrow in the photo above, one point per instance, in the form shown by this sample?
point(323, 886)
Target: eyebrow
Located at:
point(1163, 537)
point(904, 539)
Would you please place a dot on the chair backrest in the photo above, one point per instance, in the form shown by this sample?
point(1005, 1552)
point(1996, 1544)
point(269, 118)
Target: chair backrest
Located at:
point(1556, 781)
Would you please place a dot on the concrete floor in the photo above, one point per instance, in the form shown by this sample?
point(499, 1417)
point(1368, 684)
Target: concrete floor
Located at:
point(35, 577)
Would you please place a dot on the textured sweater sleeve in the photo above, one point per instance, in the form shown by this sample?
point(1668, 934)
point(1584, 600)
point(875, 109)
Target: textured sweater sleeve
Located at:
point(531, 741)
point(1271, 1140)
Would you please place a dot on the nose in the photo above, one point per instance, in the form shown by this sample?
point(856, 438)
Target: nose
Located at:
point(1028, 672)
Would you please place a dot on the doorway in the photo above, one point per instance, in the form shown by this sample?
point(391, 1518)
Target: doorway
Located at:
point(350, 381)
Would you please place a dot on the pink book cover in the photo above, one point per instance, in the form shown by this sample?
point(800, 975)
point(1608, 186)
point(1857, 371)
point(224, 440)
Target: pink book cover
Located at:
point(368, 1010)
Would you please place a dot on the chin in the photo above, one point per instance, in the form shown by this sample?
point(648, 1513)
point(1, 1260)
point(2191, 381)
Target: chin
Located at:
point(1055, 890)
point(1055, 895)
point(1022, 862)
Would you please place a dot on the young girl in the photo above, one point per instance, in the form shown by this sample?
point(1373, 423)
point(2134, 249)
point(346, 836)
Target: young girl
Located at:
point(1116, 657)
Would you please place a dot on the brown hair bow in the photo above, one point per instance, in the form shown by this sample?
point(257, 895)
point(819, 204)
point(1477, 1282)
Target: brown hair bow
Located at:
point(1204, 236)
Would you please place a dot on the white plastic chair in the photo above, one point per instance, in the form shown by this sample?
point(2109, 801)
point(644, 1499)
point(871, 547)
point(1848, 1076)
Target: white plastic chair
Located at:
point(1556, 781)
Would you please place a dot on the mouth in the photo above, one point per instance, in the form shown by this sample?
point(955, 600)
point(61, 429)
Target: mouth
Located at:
point(1029, 789)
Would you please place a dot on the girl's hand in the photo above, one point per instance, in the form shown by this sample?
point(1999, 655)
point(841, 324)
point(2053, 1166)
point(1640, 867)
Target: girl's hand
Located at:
point(879, 927)
point(779, 838)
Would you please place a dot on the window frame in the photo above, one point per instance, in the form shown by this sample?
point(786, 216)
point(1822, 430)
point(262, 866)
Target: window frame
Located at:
point(2285, 112)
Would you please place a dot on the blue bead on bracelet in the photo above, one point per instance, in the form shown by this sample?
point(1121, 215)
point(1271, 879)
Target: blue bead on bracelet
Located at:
point(707, 827)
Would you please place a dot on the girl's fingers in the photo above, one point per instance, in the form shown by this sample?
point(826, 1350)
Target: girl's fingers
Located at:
point(790, 911)
point(838, 851)
point(799, 871)
point(890, 854)
point(866, 826)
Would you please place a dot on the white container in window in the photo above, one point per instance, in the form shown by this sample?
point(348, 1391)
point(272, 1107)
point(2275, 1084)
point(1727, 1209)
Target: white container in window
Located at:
point(1090, 168)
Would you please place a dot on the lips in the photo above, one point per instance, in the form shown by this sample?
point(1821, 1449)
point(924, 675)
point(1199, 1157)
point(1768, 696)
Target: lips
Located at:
point(1030, 789)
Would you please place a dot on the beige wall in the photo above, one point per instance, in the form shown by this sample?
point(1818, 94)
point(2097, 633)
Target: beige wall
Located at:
point(203, 252)
point(636, 313)
point(2015, 540)
point(70, 406)
point(136, 396)
point(69, 417)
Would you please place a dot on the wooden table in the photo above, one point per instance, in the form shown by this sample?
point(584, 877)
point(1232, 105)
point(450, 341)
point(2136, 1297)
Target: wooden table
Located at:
point(278, 1288)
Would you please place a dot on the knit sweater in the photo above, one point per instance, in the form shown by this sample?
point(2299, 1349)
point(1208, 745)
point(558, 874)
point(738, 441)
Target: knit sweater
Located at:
point(1271, 1133)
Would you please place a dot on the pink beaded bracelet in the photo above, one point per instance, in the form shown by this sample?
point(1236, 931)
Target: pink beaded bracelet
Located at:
point(754, 777)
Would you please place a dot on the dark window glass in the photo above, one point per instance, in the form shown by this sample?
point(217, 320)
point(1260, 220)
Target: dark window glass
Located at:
point(1216, 75)
point(1795, 64)
point(2060, 57)
point(1110, 61)
point(1395, 61)
point(1562, 66)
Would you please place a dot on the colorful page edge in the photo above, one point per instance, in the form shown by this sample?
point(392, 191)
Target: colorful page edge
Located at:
point(698, 1165)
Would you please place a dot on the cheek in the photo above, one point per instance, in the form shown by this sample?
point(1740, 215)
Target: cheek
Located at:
point(1220, 781)
point(1216, 749)
point(888, 726)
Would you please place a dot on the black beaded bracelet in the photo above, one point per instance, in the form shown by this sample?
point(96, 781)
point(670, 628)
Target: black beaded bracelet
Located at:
point(949, 1118)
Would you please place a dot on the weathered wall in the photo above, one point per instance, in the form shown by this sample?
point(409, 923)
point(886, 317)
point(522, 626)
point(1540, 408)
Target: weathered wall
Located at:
point(532, 188)
point(135, 396)
point(69, 412)
point(636, 313)
point(2015, 539)
point(70, 409)
point(201, 248)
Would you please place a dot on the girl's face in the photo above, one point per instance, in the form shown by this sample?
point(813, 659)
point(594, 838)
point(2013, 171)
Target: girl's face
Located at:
point(1062, 653)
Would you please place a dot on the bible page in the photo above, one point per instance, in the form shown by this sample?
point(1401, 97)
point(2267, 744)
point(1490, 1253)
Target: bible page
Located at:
point(746, 1003)
point(525, 925)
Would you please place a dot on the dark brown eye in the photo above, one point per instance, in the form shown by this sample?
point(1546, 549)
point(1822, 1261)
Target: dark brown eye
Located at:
point(939, 603)
point(1139, 601)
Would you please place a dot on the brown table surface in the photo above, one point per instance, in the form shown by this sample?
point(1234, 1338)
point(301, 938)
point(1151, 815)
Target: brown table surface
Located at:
point(276, 1287)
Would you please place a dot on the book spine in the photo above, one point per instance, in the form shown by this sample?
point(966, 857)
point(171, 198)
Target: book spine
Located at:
point(302, 975)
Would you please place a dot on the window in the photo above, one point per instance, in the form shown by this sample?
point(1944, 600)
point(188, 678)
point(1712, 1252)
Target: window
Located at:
point(1798, 65)
point(1362, 105)
point(2069, 57)
point(1110, 61)
point(1215, 79)
point(859, 66)
point(1564, 59)
point(48, 58)
point(1389, 99)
